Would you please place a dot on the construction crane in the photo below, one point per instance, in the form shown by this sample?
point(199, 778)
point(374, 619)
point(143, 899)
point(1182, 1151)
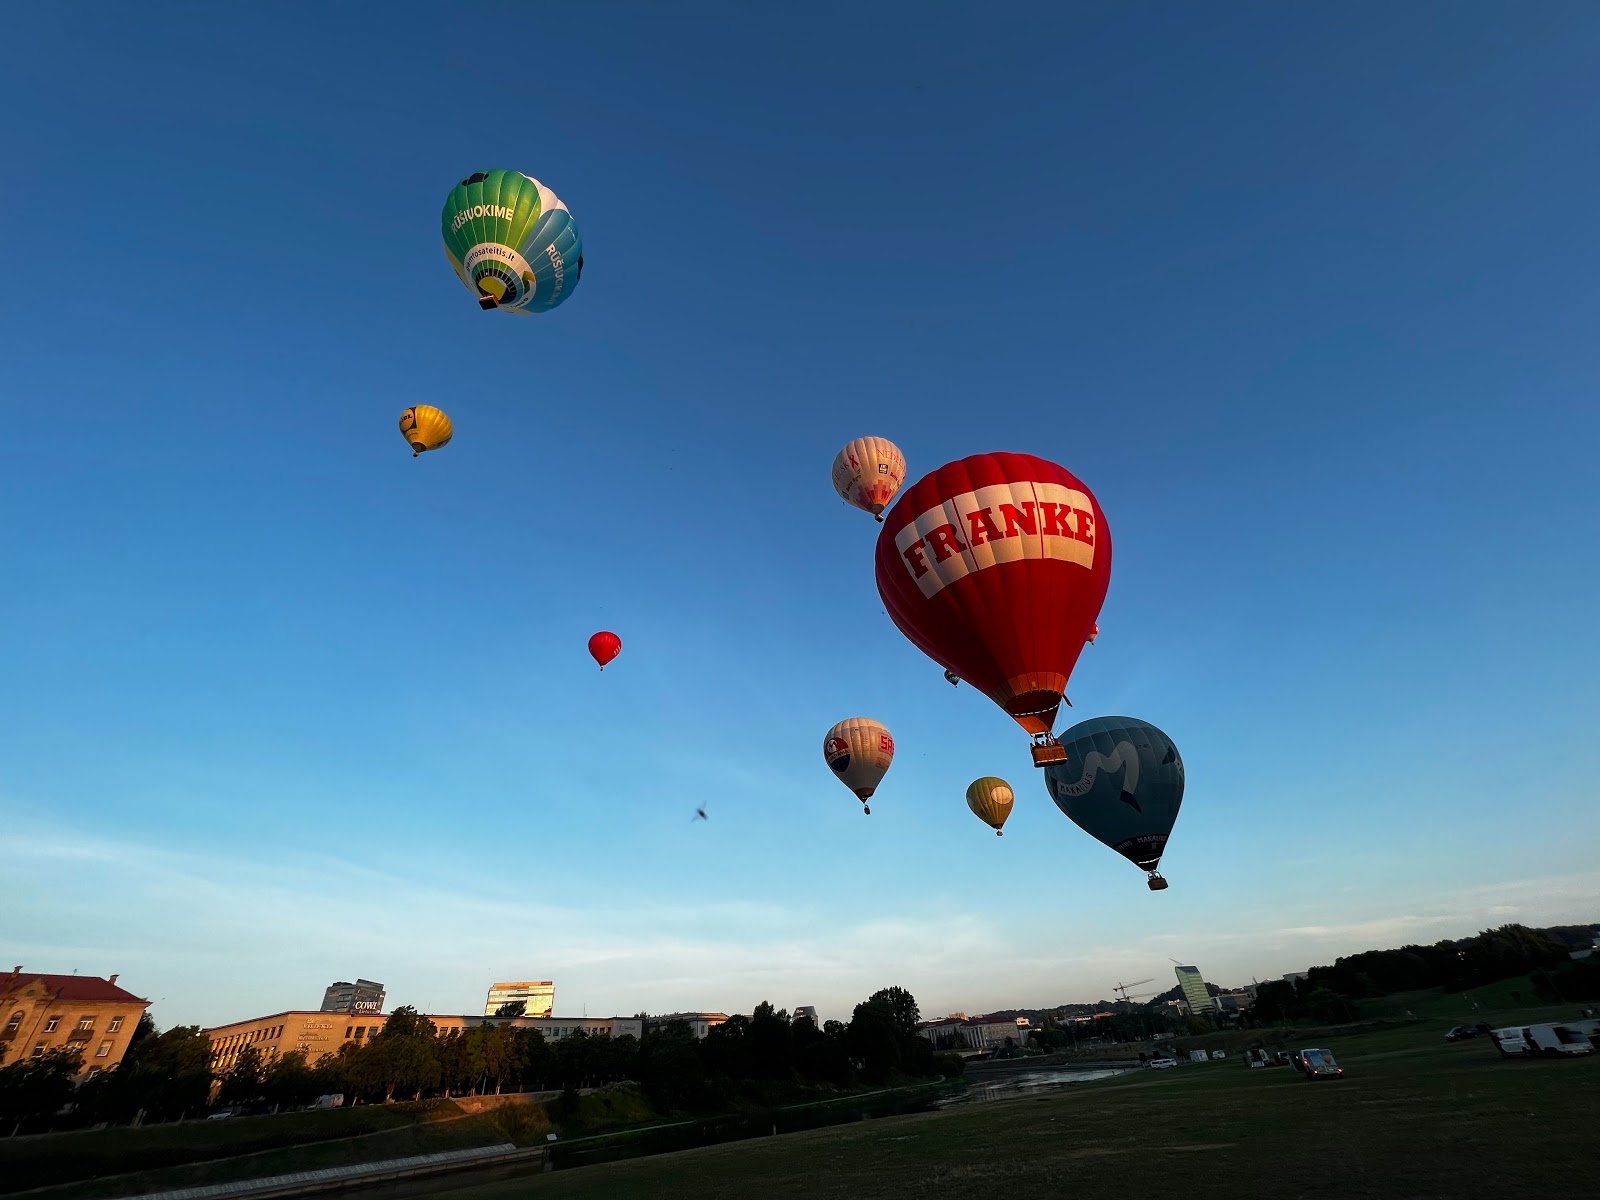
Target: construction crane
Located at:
point(1122, 989)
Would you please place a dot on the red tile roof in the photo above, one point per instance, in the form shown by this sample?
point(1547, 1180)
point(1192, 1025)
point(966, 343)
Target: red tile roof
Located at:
point(72, 989)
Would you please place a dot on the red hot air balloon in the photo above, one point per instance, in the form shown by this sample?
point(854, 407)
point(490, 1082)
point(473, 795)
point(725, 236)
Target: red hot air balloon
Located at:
point(604, 646)
point(995, 567)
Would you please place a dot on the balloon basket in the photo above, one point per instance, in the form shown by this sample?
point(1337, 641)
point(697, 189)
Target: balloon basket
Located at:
point(1156, 883)
point(1047, 753)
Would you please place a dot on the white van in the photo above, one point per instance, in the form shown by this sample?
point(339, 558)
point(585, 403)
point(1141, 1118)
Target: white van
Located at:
point(1557, 1039)
point(1159, 1064)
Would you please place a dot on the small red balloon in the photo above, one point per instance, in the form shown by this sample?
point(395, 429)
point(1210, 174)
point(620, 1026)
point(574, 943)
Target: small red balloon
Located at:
point(604, 646)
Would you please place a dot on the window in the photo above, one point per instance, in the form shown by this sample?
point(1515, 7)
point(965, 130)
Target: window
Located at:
point(116, 1024)
point(13, 1023)
point(85, 1024)
point(51, 1023)
point(348, 1029)
point(93, 1071)
point(103, 1049)
point(38, 1049)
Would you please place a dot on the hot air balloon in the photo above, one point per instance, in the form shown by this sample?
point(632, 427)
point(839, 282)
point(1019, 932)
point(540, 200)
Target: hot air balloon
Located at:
point(990, 801)
point(995, 567)
point(1122, 784)
point(604, 646)
point(1094, 633)
point(425, 428)
point(859, 751)
point(512, 241)
point(868, 472)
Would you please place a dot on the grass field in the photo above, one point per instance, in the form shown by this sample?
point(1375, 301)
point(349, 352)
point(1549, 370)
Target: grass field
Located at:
point(1414, 1118)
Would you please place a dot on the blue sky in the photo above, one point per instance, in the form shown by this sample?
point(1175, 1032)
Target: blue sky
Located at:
point(1307, 298)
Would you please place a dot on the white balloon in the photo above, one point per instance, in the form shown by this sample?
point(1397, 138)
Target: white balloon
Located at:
point(868, 472)
point(859, 750)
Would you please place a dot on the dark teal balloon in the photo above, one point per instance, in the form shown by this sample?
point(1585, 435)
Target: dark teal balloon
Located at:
point(1122, 784)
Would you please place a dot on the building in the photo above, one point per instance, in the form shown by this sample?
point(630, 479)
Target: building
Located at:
point(1194, 989)
point(43, 1012)
point(699, 1023)
point(943, 1032)
point(1296, 976)
point(553, 1028)
point(1238, 1000)
point(538, 997)
point(312, 1033)
point(807, 1010)
point(990, 1033)
point(319, 1033)
point(362, 996)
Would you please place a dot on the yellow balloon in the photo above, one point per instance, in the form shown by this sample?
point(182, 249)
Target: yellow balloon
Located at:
point(424, 428)
point(990, 801)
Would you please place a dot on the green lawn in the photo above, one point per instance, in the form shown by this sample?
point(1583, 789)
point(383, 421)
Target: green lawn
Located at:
point(1413, 1118)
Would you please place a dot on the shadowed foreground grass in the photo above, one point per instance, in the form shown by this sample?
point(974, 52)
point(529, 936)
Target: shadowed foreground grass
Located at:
point(1412, 1118)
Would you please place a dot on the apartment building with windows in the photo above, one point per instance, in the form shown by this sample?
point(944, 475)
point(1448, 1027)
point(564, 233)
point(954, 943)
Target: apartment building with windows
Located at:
point(43, 1012)
point(537, 995)
point(362, 996)
point(319, 1033)
point(699, 1023)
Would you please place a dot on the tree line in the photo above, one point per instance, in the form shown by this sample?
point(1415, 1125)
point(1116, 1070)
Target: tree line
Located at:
point(167, 1075)
point(1331, 994)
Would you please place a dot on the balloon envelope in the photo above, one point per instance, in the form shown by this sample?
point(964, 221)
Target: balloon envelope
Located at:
point(990, 800)
point(995, 567)
point(1122, 784)
point(868, 472)
point(858, 750)
point(511, 241)
point(425, 428)
point(604, 646)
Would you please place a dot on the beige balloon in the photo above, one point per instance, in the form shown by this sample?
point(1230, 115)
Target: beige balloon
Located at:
point(868, 472)
point(859, 750)
point(990, 800)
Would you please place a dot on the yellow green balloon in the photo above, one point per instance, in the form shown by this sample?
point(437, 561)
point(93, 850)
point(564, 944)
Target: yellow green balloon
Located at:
point(990, 800)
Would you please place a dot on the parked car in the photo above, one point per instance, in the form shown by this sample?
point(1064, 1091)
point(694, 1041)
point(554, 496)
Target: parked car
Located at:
point(1319, 1064)
point(1158, 1064)
point(1461, 1033)
point(220, 1115)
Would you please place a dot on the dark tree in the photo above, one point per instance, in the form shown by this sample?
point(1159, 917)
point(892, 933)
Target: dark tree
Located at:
point(771, 1043)
point(902, 1008)
point(33, 1090)
point(242, 1083)
point(873, 1040)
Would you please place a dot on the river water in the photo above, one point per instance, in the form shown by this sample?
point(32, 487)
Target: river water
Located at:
point(1026, 1083)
